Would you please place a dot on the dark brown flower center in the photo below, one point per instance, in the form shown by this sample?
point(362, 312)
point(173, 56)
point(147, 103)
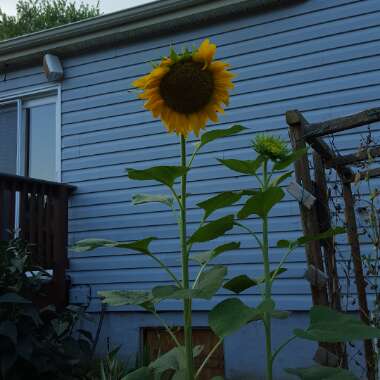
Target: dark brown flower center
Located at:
point(186, 88)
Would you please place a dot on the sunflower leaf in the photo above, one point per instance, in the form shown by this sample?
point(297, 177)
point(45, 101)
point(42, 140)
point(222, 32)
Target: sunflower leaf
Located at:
point(139, 199)
point(242, 282)
point(242, 166)
point(323, 235)
point(281, 178)
point(291, 244)
point(327, 325)
point(261, 203)
point(128, 297)
point(212, 230)
point(221, 200)
point(205, 257)
point(163, 174)
point(208, 284)
point(289, 159)
point(169, 360)
point(163, 292)
point(229, 316)
point(210, 136)
point(91, 244)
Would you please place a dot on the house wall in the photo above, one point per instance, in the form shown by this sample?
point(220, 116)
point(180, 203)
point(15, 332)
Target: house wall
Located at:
point(319, 56)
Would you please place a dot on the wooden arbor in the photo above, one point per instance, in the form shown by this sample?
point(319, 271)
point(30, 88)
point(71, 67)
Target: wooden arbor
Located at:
point(316, 219)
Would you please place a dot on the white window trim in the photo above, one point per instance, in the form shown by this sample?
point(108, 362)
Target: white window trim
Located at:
point(26, 97)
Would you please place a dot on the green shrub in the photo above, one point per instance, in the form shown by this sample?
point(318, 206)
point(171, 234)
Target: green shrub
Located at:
point(36, 343)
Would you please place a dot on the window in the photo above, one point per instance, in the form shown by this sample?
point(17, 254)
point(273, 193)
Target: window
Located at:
point(8, 138)
point(40, 138)
point(156, 341)
point(29, 137)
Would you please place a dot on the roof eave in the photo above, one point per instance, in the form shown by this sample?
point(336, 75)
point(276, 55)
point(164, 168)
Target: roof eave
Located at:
point(152, 18)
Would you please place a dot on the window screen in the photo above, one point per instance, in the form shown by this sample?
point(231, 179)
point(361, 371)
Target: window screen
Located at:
point(41, 133)
point(8, 139)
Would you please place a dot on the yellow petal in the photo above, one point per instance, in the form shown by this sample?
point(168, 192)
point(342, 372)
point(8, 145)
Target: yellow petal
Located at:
point(212, 114)
point(202, 116)
point(150, 92)
point(152, 84)
point(157, 109)
point(217, 66)
point(195, 123)
point(151, 103)
point(141, 82)
point(205, 53)
point(165, 114)
point(170, 122)
point(166, 62)
point(159, 72)
point(152, 99)
point(218, 108)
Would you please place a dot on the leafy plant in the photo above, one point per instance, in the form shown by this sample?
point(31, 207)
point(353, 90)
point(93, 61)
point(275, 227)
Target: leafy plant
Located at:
point(326, 325)
point(111, 368)
point(15, 262)
point(209, 278)
point(36, 343)
point(231, 314)
point(35, 15)
point(182, 112)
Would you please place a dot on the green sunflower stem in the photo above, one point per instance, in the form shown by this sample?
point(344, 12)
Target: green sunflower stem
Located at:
point(268, 283)
point(187, 304)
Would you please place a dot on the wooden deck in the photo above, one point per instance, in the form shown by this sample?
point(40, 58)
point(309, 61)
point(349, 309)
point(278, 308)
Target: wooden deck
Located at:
point(37, 212)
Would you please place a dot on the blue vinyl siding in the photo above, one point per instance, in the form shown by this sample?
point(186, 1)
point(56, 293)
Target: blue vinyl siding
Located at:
point(315, 56)
point(322, 57)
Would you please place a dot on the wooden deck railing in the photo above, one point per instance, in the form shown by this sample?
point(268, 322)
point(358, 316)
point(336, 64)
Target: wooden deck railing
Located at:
point(37, 212)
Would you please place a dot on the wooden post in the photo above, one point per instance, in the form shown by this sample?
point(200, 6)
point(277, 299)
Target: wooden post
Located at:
point(324, 218)
point(309, 216)
point(2, 210)
point(60, 247)
point(353, 239)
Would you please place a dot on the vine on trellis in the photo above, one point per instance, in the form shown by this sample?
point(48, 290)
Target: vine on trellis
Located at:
point(340, 183)
point(367, 203)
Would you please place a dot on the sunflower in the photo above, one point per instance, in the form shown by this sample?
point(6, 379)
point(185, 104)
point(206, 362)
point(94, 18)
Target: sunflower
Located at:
point(186, 90)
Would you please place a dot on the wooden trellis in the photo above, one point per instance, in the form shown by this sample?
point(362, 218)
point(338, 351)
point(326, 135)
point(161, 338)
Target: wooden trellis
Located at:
point(316, 219)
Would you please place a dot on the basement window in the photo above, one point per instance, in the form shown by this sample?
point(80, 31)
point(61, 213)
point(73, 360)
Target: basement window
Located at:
point(156, 341)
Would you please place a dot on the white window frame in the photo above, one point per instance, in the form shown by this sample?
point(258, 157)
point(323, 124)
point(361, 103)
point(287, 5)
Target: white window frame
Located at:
point(38, 95)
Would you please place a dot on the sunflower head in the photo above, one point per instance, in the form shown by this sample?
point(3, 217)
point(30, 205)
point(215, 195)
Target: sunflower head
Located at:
point(186, 90)
point(270, 147)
